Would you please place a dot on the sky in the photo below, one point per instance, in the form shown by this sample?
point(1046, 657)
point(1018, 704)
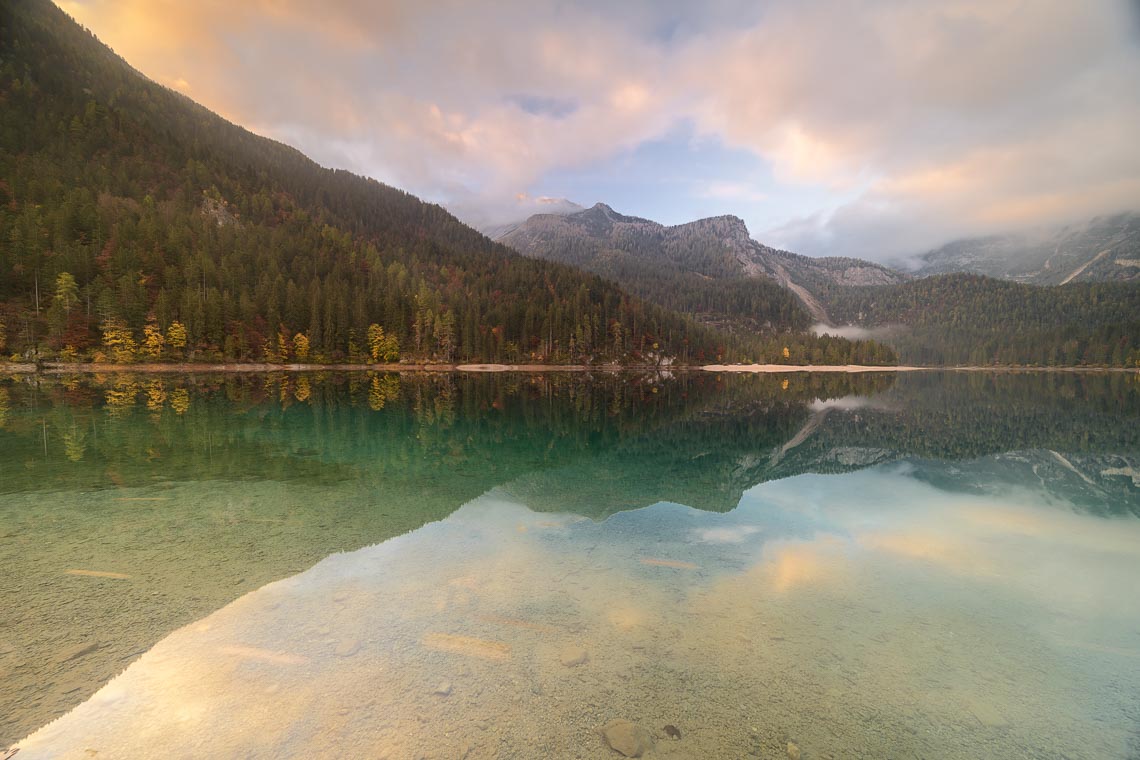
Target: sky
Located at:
point(874, 128)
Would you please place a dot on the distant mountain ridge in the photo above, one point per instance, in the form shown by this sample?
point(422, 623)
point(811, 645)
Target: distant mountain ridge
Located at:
point(1103, 249)
point(632, 250)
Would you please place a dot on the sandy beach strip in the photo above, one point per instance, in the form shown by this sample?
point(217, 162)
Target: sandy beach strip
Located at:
point(762, 368)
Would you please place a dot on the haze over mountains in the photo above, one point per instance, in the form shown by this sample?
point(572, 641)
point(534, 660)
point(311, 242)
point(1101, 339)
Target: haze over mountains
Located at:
point(560, 206)
point(947, 314)
point(1104, 249)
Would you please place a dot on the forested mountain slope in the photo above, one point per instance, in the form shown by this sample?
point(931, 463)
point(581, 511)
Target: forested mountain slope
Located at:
point(136, 223)
point(711, 267)
point(969, 319)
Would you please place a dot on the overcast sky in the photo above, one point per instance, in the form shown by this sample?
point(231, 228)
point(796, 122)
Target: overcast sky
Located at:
point(840, 127)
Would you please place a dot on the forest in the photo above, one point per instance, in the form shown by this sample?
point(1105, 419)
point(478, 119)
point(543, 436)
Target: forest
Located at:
point(969, 319)
point(137, 225)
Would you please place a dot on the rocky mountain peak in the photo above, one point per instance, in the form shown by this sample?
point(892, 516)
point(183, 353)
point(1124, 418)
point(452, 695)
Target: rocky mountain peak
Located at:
point(728, 228)
point(715, 248)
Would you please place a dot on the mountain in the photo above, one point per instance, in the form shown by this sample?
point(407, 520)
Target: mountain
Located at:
point(957, 319)
point(1072, 434)
point(1104, 249)
point(557, 206)
point(711, 267)
point(136, 223)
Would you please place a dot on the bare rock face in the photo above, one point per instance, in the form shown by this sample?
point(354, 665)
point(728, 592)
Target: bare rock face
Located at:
point(627, 738)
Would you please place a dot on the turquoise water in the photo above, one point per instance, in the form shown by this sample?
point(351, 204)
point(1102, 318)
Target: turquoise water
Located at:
point(927, 565)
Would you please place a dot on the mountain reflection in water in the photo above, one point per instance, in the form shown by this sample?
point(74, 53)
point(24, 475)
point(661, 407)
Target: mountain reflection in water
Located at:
point(864, 566)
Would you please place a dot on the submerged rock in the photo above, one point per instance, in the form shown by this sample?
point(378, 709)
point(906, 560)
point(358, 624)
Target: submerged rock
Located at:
point(627, 738)
point(444, 689)
point(572, 656)
point(672, 731)
point(347, 647)
point(793, 751)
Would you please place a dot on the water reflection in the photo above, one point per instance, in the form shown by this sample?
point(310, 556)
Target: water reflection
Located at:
point(974, 565)
point(866, 615)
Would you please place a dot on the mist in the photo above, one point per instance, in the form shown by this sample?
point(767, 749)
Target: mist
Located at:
point(850, 332)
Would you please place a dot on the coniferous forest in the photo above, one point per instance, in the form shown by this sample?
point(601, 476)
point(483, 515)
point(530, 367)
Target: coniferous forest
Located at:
point(969, 319)
point(137, 225)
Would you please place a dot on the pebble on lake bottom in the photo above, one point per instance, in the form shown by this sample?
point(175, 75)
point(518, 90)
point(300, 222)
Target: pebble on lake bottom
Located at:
point(627, 738)
point(347, 648)
point(572, 656)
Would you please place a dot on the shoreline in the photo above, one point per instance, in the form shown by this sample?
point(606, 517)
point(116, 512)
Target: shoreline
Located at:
point(760, 369)
point(58, 368)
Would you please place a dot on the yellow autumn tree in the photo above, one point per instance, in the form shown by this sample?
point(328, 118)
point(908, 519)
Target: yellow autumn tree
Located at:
point(301, 346)
point(382, 347)
point(284, 346)
point(787, 353)
point(176, 337)
point(119, 341)
point(375, 341)
point(154, 344)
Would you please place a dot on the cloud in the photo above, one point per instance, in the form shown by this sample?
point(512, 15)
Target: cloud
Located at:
point(916, 121)
point(727, 190)
point(951, 119)
point(735, 534)
point(538, 105)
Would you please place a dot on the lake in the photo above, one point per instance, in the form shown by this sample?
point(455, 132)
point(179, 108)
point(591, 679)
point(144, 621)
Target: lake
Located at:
point(925, 565)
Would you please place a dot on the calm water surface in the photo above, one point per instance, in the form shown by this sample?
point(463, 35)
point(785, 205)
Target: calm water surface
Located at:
point(934, 565)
